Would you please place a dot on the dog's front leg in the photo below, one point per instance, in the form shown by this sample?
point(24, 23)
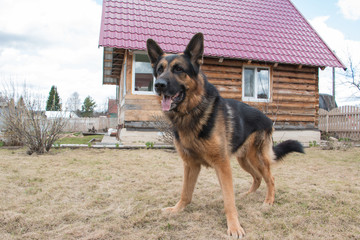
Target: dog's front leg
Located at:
point(223, 171)
point(191, 173)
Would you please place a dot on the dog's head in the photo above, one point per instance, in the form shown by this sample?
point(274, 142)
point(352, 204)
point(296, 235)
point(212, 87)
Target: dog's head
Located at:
point(178, 81)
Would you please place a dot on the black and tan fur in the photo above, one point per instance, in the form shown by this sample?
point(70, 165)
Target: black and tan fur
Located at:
point(209, 129)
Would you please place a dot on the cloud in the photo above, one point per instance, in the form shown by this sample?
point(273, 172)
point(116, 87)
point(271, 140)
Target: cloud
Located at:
point(350, 8)
point(336, 40)
point(49, 43)
point(344, 48)
point(17, 41)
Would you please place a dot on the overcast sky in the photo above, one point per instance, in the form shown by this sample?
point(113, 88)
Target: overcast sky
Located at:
point(47, 43)
point(338, 24)
point(55, 42)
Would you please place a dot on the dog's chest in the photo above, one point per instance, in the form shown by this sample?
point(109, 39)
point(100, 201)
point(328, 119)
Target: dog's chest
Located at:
point(194, 148)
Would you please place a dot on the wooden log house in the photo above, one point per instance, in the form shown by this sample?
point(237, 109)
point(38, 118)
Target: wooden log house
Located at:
point(260, 52)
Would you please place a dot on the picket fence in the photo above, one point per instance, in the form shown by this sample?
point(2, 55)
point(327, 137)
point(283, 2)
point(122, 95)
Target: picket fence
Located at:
point(344, 121)
point(84, 124)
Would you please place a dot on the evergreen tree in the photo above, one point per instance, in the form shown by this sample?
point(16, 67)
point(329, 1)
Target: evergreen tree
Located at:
point(87, 109)
point(53, 102)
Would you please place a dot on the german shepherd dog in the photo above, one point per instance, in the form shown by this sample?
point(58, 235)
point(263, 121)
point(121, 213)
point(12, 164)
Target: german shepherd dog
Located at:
point(208, 129)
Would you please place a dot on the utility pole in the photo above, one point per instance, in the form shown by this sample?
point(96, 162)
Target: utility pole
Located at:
point(333, 78)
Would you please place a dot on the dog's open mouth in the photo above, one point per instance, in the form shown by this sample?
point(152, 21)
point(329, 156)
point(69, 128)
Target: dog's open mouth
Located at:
point(169, 103)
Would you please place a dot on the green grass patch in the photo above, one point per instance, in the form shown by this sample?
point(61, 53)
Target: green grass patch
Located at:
point(78, 139)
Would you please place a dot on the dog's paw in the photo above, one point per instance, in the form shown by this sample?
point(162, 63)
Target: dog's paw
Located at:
point(244, 194)
point(268, 202)
point(236, 232)
point(171, 210)
point(177, 208)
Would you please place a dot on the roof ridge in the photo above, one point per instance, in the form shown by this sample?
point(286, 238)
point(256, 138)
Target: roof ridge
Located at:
point(191, 3)
point(219, 16)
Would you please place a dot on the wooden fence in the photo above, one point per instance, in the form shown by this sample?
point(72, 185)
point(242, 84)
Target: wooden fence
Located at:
point(344, 121)
point(84, 124)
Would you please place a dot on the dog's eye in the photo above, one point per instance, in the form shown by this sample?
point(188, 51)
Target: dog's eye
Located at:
point(178, 69)
point(160, 70)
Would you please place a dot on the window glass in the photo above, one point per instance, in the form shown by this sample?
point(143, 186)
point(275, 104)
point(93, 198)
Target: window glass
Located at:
point(249, 82)
point(263, 83)
point(256, 85)
point(144, 80)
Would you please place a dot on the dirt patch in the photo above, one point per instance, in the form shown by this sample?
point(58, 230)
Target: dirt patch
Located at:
point(118, 194)
point(140, 137)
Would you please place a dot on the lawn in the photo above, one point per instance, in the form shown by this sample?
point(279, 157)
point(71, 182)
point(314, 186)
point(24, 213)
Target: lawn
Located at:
point(118, 194)
point(78, 139)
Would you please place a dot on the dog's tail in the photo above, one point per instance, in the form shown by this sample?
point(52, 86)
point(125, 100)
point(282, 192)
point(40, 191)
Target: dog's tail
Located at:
point(286, 147)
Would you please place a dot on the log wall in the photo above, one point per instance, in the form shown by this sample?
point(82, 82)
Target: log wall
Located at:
point(294, 99)
point(296, 95)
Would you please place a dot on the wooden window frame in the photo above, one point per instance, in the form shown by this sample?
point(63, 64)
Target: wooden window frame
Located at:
point(133, 77)
point(255, 99)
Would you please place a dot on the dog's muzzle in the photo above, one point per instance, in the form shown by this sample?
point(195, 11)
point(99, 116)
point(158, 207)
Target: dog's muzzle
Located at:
point(160, 85)
point(171, 97)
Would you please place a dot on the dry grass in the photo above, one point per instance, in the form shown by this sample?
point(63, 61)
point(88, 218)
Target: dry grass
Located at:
point(118, 194)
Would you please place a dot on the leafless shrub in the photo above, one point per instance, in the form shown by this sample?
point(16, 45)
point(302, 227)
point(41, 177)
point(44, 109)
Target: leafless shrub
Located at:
point(25, 122)
point(353, 73)
point(11, 139)
point(165, 127)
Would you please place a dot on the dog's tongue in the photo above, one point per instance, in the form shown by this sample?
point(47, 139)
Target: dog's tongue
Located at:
point(166, 103)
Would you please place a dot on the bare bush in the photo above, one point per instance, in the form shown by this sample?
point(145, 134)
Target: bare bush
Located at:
point(11, 139)
point(353, 73)
point(165, 127)
point(25, 122)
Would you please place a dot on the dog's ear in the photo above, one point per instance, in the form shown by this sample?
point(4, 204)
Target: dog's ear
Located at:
point(154, 51)
point(195, 48)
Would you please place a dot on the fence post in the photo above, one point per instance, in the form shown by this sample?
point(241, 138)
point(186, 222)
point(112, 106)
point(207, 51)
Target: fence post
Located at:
point(327, 123)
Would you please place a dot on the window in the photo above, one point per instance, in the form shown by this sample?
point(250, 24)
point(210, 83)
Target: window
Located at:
point(256, 84)
point(143, 80)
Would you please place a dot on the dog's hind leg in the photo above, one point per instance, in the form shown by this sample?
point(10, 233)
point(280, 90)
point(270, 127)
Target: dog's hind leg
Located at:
point(263, 166)
point(256, 175)
point(270, 182)
point(191, 173)
point(259, 158)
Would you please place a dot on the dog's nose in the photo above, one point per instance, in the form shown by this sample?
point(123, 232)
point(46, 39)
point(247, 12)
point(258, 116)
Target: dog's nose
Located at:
point(160, 85)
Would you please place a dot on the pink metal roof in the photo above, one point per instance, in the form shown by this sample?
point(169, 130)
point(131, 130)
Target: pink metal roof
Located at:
point(260, 30)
